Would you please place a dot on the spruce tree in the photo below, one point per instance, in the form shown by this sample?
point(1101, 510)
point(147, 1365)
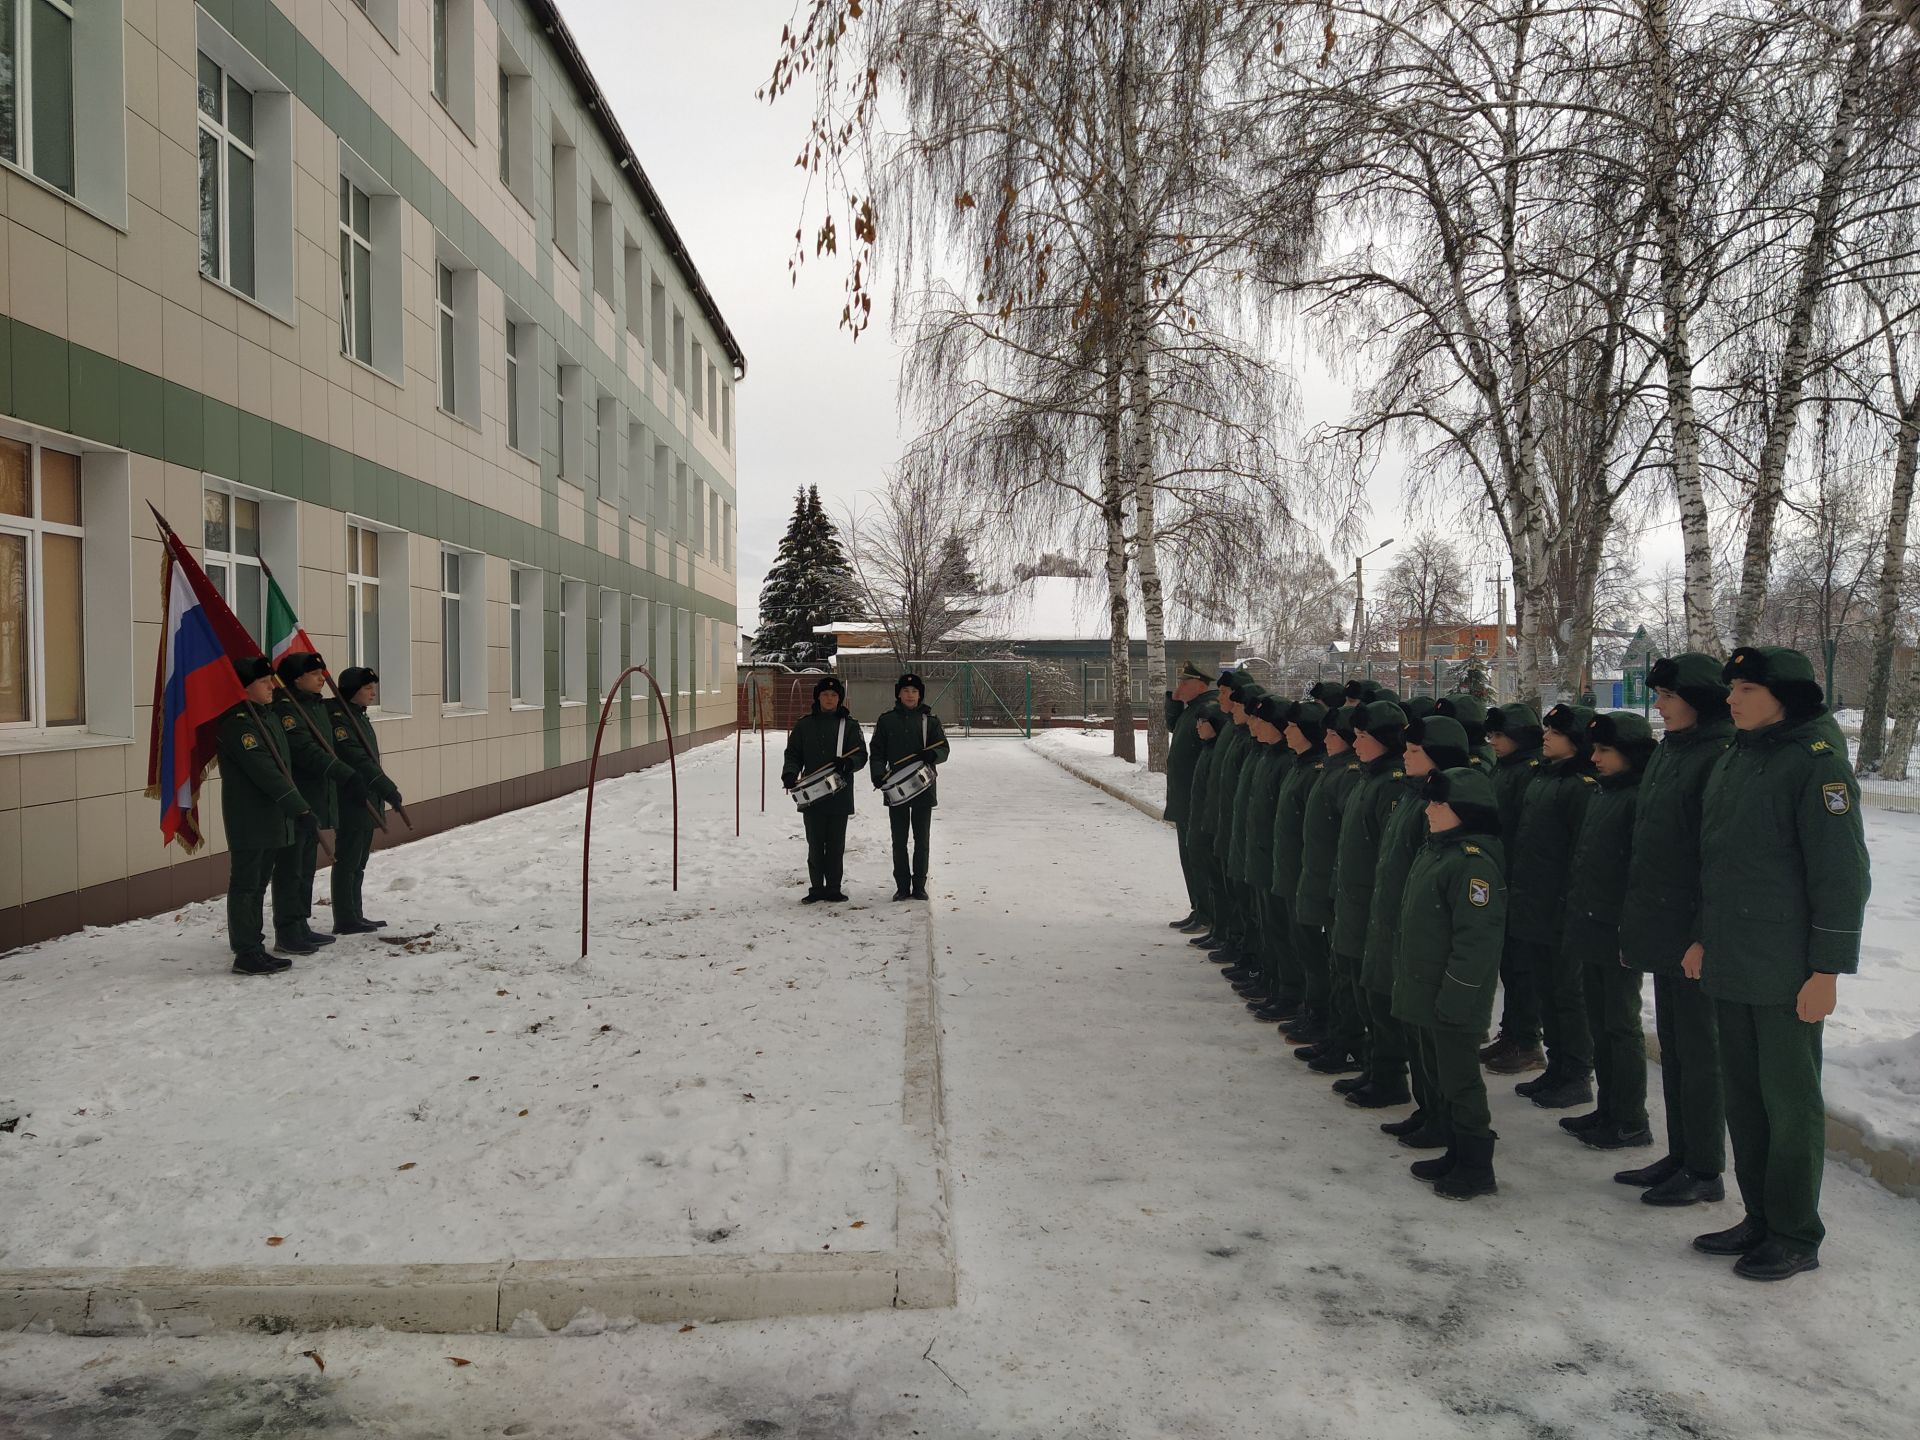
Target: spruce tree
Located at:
point(809, 584)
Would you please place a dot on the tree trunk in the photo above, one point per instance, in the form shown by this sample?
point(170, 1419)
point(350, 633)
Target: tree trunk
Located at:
point(1574, 663)
point(1796, 359)
point(1146, 545)
point(1886, 630)
point(1906, 717)
point(1114, 512)
point(1683, 420)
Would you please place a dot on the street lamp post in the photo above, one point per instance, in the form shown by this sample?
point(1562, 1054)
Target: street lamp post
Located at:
point(1360, 592)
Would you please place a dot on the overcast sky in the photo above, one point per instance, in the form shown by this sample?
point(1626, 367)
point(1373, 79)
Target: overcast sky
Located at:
point(815, 408)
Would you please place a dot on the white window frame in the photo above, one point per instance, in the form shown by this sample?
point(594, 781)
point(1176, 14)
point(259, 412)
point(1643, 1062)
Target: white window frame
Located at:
point(271, 151)
point(278, 545)
point(456, 311)
point(510, 340)
point(382, 243)
point(526, 642)
point(570, 442)
point(449, 378)
point(34, 530)
point(521, 368)
point(573, 641)
point(611, 655)
point(606, 446)
point(385, 15)
point(354, 242)
point(357, 584)
point(565, 195)
point(97, 121)
point(600, 236)
point(514, 125)
point(227, 142)
point(23, 90)
point(683, 652)
point(466, 569)
point(450, 53)
point(393, 606)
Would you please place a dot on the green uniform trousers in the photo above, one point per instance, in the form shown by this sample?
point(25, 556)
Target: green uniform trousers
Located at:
point(1559, 990)
point(1459, 1100)
point(352, 844)
point(1226, 921)
point(1310, 944)
point(1387, 1053)
point(248, 873)
point(1770, 1062)
point(1689, 1032)
point(1619, 1044)
point(1420, 1074)
point(1283, 974)
point(1193, 872)
point(293, 871)
point(1519, 1007)
point(1347, 1012)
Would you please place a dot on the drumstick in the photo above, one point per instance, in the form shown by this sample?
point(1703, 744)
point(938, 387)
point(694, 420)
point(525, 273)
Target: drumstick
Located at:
point(857, 750)
point(895, 765)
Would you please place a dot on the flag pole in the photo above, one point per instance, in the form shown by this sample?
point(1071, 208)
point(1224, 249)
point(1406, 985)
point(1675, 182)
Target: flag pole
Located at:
point(352, 719)
point(259, 718)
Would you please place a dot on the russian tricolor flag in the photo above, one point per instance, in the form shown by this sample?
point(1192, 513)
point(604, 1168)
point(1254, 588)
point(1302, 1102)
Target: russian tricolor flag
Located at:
point(196, 685)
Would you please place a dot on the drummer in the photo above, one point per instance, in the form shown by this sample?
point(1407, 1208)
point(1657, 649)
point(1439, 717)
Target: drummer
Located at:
point(825, 743)
point(909, 733)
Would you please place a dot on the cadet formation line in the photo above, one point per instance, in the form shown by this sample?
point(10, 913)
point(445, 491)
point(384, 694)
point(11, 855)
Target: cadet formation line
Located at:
point(1368, 871)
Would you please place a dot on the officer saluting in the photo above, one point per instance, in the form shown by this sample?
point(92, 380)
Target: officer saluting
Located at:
point(362, 799)
point(909, 731)
point(263, 811)
point(826, 738)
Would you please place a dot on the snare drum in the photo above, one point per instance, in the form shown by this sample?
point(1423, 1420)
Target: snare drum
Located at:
point(907, 784)
point(811, 789)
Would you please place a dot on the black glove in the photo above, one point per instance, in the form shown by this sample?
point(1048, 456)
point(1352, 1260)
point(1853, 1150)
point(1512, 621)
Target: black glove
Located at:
point(393, 797)
point(787, 779)
point(851, 767)
point(308, 824)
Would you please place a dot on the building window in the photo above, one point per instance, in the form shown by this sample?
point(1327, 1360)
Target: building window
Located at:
point(443, 303)
point(636, 289)
point(385, 15)
point(639, 471)
point(440, 50)
point(363, 597)
point(694, 400)
point(36, 88)
point(726, 534)
point(231, 532)
point(679, 352)
point(515, 127)
point(683, 652)
point(726, 418)
point(42, 587)
point(527, 651)
point(713, 404)
point(657, 309)
point(713, 525)
point(226, 178)
point(660, 661)
point(602, 238)
point(513, 384)
point(610, 666)
point(640, 646)
point(570, 448)
point(356, 271)
point(606, 448)
point(506, 125)
point(452, 689)
point(573, 642)
point(566, 195)
point(453, 59)
point(523, 383)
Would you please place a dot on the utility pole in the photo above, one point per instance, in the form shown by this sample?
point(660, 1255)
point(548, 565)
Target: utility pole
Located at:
point(1360, 594)
point(1499, 634)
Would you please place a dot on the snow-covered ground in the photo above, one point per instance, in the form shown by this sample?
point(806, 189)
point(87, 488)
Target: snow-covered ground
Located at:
point(1166, 1228)
point(721, 1073)
point(1873, 1040)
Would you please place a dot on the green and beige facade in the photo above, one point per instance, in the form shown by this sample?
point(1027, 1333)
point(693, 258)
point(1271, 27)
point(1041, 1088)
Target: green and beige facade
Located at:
point(375, 294)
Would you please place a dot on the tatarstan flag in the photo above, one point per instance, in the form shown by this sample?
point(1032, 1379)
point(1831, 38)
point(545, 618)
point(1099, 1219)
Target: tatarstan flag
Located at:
point(284, 635)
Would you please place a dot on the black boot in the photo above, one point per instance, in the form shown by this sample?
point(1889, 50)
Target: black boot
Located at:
point(1338, 1060)
point(1312, 1051)
point(1748, 1235)
point(835, 894)
point(1408, 1126)
point(314, 937)
point(1352, 1084)
point(1517, 1059)
point(1438, 1167)
point(1307, 1029)
point(1191, 916)
point(901, 892)
point(1612, 1136)
point(354, 927)
point(1776, 1260)
point(1427, 1137)
point(258, 962)
point(1592, 1120)
point(1375, 1096)
point(1665, 1168)
point(1569, 1091)
point(1208, 941)
point(1685, 1187)
point(1267, 1014)
point(289, 943)
point(1195, 927)
point(920, 889)
point(812, 897)
point(1545, 1079)
point(1289, 1006)
point(1472, 1174)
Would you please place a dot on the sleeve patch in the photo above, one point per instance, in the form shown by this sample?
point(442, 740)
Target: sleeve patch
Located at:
point(1836, 799)
point(249, 741)
point(1820, 747)
point(1479, 892)
point(339, 732)
point(286, 722)
point(1589, 779)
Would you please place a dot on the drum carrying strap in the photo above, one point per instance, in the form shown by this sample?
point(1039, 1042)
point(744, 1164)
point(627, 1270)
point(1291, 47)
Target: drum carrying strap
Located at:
point(840, 737)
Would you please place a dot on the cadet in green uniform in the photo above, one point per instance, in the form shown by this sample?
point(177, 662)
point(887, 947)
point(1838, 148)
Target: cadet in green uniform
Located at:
point(1660, 924)
point(1620, 743)
point(263, 811)
point(827, 737)
point(1229, 841)
point(1379, 735)
point(1204, 815)
point(1471, 712)
point(1186, 703)
point(1513, 734)
point(909, 731)
point(1235, 749)
point(1418, 707)
point(1451, 923)
point(362, 799)
point(1551, 814)
point(319, 773)
point(1434, 743)
point(1784, 883)
point(1306, 732)
point(1274, 994)
point(1319, 849)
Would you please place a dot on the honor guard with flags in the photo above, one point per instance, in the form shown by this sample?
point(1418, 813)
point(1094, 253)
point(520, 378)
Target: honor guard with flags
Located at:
point(267, 818)
point(362, 798)
point(303, 716)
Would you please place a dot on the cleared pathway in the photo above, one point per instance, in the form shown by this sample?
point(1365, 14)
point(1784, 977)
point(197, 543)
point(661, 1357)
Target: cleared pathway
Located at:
point(1165, 1226)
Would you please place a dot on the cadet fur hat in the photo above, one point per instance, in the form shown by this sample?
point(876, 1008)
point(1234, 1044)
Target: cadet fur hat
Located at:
point(1516, 721)
point(1270, 708)
point(832, 682)
point(1384, 692)
point(356, 678)
point(1570, 721)
point(1470, 711)
point(1309, 717)
point(254, 667)
point(1340, 722)
point(1443, 738)
point(1787, 673)
point(1191, 671)
point(296, 663)
point(1361, 690)
point(1330, 693)
point(1381, 719)
point(1418, 707)
point(1470, 794)
point(1624, 731)
point(1694, 677)
point(910, 679)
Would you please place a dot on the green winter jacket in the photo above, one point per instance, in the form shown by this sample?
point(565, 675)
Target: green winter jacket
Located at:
point(821, 738)
point(1597, 888)
point(358, 747)
point(1550, 815)
point(1660, 916)
point(1784, 875)
point(1377, 789)
point(1406, 832)
point(318, 771)
point(258, 803)
point(900, 735)
point(1252, 860)
point(1236, 749)
point(1289, 819)
point(1320, 840)
point(1511, 775)
point(1183, 755)
point(1453, 921)
point(1200, 808)
point(1483, 759)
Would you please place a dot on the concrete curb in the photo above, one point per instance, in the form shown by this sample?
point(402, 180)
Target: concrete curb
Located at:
point(463, 1299)
point(1145, 807)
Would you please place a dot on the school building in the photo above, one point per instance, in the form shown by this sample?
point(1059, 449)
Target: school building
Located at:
point(375, 295)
